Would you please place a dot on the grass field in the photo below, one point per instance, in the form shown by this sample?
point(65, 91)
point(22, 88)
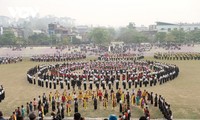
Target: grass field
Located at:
point(182, 93)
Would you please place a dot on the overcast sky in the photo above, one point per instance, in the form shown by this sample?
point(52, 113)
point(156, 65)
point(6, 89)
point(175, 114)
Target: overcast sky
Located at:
point(109, 12)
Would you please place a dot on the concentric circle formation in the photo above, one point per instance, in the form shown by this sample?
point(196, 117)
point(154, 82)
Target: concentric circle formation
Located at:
point(96, 76)
point(103, 74)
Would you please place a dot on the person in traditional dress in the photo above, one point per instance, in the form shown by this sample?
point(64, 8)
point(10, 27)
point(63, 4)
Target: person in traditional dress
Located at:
point(151, 98)
point(85, 84)
point(75, 106)
point(13, 117)
point(62, 111)
point(105, 103)
point(95, 103)
point(118, 96)
point(22, 112)
point(85, 103)
point(80, 96)
point(50, 96)
point(34, 104)
point(128, 99)
point(123, 97)
point(120, 106)
point(156, 100)
point(46, 107)
point(114, 103)
point(142, 102)
point(133, 98)
point(27, 109)
point(106, 95)
point(147, 113)
point(100, 95)
point(68, 108)
point(137, 100)
point(69, 98)
point(53, 104)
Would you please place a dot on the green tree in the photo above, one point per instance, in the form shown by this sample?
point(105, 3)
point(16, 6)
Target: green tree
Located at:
point(194, 36)
point(65, 41)
point(8, 38)
point(75, 40)
point(100, 35)
point(161, 36)
point(179, 35)
point(39, 39)
point(112, 34)
point(20, 41)
point(170, 38)
point(128, 35)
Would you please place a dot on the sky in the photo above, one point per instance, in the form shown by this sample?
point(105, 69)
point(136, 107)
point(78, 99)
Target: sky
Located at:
point(107, 12)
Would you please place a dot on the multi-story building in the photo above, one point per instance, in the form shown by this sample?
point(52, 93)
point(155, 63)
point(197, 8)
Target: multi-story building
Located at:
point(82, 31)
point(167, 27)
point(152, 28)
point(56, 29)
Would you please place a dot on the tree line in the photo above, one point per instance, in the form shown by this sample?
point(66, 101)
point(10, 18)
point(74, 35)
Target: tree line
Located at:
point(131, 35)
point(103, 36)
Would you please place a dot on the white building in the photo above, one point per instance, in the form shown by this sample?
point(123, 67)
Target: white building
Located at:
point(167, 27)
point(152, 28)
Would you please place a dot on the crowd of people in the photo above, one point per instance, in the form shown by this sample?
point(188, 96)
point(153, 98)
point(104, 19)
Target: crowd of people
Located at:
point(58, 57)
point(67, 103)
point(2, 93)
point(171, 46)
point(97, 74)
point(177, 56)
point(101, 79)
point(120, 56)
point(111, 82)
point(8, 60)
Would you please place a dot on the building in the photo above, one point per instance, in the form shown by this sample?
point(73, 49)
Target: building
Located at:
point(56, 29)
point(167, 27)
point(82, 31)
point(18, 32)
point(141, 28)
point(38, 31)
point(5, 21)
point(152, 28)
